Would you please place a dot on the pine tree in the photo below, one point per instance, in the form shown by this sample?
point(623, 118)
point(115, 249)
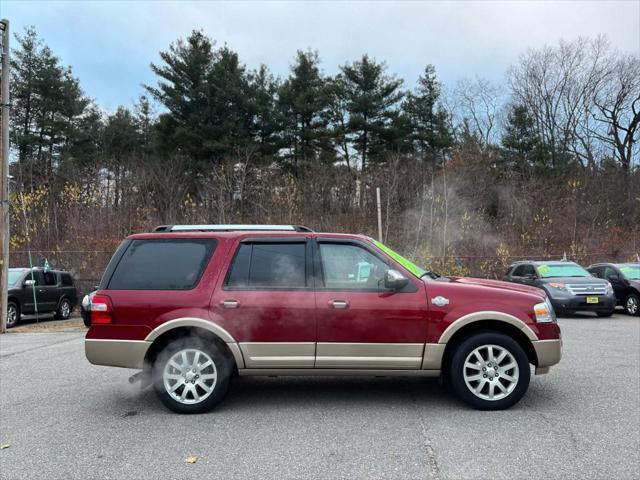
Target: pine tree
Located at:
point(145, 120)
point(431, 134)
point(338, 116)
point(372, 99)
point(48, 105)
point(184, 90)
point(263, 89)
point(303, 102)
point(229, 94)
point(520, 138)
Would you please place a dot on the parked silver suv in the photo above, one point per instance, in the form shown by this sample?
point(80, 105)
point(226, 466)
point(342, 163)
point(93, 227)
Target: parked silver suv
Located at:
point(570, 287)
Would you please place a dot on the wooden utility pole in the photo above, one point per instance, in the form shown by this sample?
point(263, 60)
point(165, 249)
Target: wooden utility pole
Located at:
point(4, 173)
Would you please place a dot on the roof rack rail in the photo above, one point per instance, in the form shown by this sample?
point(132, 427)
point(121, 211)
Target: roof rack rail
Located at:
point(231, 228)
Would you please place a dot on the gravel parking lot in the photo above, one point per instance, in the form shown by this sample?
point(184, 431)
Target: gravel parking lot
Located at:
point(64, 418)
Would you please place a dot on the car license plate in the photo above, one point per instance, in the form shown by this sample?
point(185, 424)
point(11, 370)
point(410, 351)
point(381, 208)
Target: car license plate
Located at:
point(592, 299)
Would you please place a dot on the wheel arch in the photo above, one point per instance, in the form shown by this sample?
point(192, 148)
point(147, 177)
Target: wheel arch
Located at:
point(182, 328)
point(487, 325)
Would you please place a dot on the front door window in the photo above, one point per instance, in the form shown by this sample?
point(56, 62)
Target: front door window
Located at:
point(350, 267)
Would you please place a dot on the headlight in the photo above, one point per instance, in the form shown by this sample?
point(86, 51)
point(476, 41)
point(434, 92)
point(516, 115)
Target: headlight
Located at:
point(609, 288)
point(559, 286)
point(544, 312)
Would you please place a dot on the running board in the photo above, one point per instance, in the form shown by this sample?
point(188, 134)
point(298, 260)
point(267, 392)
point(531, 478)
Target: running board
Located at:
point(309, 372)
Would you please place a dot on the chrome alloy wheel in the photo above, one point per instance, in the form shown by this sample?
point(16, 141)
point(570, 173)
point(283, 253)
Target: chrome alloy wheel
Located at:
point(491, 372)
point(12, 315)
point(65, 309)
point(190, 376)
point(632, 305)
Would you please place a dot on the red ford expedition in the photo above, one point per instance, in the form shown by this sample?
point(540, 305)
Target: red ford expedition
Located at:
point(193, 305)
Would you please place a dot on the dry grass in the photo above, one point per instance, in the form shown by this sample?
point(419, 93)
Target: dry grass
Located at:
point(48, 325)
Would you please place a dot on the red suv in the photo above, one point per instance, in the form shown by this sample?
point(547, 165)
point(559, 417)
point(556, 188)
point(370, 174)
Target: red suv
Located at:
point(194, 305)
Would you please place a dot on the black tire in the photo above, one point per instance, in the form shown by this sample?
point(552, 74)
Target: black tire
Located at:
point(515, 389)
point(64, 310)
point(629, 307)
point(13, 318)
point(223, 368)
point(605, 314)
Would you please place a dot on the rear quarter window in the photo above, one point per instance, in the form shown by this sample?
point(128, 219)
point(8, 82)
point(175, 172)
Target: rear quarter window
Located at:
point(66, 280)
point(164, 264)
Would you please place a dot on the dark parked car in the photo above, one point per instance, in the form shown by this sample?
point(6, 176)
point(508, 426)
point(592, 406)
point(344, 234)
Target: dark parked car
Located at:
point(53, 291)
point(625, 279)
point(570, 287)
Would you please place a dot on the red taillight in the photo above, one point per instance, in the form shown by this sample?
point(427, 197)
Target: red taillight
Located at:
point(100, 310)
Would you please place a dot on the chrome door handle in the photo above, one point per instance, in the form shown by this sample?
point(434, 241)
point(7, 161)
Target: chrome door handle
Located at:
point(229, 304)
point(340, 304)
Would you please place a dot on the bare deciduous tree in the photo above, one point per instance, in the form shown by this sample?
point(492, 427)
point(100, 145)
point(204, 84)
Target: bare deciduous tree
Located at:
point(477, 104)
point(618, 108)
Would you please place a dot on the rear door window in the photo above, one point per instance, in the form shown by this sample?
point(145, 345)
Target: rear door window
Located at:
point(50, 279)
point(519, 271)
point(269, 265)
point(165, 264)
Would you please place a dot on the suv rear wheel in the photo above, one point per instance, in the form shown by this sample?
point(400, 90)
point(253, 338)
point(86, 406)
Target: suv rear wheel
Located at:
point(191, 375)
point(13, 314)
point(64, 309)
point(490, 371)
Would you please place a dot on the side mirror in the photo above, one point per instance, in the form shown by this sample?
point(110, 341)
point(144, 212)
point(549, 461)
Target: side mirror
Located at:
point(29, 283)
point(530, 276)
point(394, 280)
point(614, 277)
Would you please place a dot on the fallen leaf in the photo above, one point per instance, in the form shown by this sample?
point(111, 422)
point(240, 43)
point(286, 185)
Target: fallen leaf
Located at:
point(5, 445)
point(191, 459)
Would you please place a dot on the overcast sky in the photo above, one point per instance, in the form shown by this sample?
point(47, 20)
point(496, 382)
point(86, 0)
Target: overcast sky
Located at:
point(110, 44)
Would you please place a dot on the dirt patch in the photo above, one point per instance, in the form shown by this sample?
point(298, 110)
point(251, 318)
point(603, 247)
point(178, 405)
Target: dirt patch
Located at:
point(49, 326)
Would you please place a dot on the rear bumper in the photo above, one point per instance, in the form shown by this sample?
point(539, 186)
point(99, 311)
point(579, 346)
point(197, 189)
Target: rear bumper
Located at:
point(548, 352)
point(116, 353)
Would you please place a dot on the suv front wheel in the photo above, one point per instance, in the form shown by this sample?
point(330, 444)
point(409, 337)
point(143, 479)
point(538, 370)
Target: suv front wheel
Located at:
point(632, 304)
point(191, 375)
point(490, 371)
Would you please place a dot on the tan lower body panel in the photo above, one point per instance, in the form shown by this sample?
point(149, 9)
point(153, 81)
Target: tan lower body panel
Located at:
point(278, 354)
point(308, 372)
point(432, 358)
point(116, 353)
point(549, 352)
point(370, 355)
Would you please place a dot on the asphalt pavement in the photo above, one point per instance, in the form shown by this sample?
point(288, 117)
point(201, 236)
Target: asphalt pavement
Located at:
point(66, 419)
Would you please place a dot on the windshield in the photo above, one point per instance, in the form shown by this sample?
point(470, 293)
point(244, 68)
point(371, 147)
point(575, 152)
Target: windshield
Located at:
point(14, 276)
point(562, 270)
point(631, 272)
point(406, 263)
